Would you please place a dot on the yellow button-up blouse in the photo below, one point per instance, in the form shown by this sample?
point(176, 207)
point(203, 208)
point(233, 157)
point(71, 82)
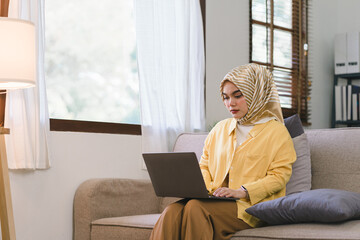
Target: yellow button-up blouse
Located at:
point(262, 163)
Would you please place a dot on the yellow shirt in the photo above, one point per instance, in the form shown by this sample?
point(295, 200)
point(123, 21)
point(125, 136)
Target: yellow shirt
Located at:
point(262, 163)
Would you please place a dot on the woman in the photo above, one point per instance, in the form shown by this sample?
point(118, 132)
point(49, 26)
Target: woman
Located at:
point(248, 156)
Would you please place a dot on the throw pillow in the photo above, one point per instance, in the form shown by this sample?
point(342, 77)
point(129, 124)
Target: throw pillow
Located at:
point(320, 205)
point(301, 171)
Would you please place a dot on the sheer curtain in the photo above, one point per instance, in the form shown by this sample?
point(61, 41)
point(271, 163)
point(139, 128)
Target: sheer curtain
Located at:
point(170, 46)
point(26, 112)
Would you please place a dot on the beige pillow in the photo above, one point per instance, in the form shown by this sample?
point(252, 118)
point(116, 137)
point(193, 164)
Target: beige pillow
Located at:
point(301, 171)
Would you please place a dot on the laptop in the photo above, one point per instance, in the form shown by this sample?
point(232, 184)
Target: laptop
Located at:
point(177, 174)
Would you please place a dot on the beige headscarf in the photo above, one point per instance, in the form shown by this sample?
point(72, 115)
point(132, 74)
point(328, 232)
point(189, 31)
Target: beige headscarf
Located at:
point(257, 85)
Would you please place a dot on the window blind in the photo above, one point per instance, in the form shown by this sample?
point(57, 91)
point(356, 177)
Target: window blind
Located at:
point(278, 40)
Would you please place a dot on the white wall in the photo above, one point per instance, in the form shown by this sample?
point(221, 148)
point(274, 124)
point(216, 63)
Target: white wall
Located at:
point(347, 19)
point(42, 200)
point(227, 46)
point(321, 60)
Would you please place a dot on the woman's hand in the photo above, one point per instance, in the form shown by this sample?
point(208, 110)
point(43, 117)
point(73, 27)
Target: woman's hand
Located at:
point(227, 192)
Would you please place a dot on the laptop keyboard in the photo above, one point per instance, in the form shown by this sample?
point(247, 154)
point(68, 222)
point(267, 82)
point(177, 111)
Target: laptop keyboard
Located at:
point(223, 198)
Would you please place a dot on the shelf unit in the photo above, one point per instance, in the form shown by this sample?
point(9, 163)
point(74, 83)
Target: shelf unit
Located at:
point(349, 78)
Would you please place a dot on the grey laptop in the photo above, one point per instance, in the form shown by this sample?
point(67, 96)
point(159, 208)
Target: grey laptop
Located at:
point(177, 174)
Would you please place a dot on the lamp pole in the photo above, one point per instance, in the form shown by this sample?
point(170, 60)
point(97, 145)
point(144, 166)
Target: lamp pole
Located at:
point(6, 210)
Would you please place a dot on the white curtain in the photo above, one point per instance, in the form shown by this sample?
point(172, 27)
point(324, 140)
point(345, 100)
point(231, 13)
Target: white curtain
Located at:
point(26, 111)
point(170, 46)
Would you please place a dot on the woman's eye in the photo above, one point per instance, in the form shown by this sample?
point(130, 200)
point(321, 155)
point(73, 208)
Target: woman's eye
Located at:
point(239, 96)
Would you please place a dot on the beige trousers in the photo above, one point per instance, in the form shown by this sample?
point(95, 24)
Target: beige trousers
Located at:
point(198, 220)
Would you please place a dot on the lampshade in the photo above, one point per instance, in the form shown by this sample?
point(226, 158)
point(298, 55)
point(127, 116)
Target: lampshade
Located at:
point(17, 54)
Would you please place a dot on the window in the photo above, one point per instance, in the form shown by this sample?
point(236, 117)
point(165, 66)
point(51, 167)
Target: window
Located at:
point(90, 62)
point(278, 40)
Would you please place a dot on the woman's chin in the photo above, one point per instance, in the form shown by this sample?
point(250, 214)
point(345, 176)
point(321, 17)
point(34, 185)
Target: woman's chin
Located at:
point(237, 116)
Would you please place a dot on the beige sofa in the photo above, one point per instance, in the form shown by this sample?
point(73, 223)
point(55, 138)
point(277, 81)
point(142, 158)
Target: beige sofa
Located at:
point(109, 209)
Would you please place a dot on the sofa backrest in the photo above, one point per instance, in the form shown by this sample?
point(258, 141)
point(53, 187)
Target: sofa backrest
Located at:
point(190, 142)
point(335, 156)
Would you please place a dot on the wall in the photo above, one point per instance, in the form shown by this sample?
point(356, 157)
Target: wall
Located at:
point(321, 60)
point(346, 20)
point(42, 200)
point(227, 46)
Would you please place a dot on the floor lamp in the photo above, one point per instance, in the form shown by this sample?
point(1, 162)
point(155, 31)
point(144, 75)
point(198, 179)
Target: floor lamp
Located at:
point(17, 70)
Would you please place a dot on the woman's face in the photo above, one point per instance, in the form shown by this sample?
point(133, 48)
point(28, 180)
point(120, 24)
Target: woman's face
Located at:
point(234, 100)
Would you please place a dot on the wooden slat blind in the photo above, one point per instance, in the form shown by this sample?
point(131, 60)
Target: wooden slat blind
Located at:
point(278, 40)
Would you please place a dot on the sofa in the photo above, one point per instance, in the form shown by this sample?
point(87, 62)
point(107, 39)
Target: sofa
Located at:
point(109, 209)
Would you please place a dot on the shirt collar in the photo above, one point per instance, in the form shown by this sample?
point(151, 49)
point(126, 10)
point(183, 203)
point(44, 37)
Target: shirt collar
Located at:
point(253, 132)
point(232, 126)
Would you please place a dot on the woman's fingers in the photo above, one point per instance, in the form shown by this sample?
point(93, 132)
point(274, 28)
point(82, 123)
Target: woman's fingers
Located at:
point(227, 192)
point(218, 192)
point(223, 192)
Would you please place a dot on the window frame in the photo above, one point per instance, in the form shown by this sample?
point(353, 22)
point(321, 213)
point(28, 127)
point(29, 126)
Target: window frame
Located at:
point(106, 127)
point(300, 84)
point(94, 127)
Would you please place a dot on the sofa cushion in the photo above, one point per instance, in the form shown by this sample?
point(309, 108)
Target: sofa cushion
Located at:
point(128, 227)
point(136, 221)
point(309, 231)
point(320, 205)
point(294, 125)
point(301, 175)
point(104, 232)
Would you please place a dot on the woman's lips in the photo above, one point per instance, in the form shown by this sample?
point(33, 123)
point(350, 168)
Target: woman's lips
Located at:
point(234, 111)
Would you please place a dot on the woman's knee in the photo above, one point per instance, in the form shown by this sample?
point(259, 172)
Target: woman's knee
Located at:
point(173, 209)
point(194, 205)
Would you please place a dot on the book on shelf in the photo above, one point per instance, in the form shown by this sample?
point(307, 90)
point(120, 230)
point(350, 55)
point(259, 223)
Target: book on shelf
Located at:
point(344, 101)
point(338, 103)
point(349, 100)
point(355, 106)
point(347, 103)
point(352, 89)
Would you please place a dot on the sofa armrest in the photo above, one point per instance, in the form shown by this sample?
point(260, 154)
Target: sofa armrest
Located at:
point(104, 198)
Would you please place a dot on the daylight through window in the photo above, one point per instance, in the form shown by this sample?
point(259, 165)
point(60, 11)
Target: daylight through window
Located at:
point(90, 61)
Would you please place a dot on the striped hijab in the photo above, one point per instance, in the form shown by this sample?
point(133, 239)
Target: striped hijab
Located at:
point(257, 85)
